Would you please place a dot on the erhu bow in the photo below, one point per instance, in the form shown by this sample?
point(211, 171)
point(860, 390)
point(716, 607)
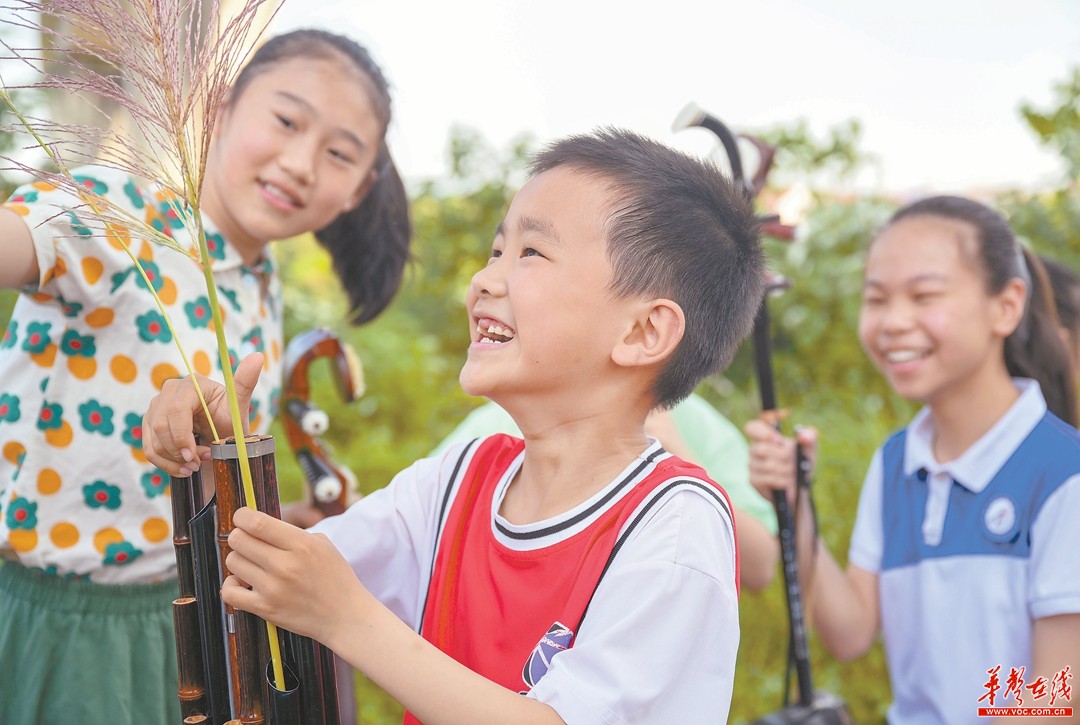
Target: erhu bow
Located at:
point(813, 707)
point(330, 483)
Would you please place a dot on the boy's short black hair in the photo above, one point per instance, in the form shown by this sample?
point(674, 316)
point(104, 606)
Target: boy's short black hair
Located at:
point(678, 229)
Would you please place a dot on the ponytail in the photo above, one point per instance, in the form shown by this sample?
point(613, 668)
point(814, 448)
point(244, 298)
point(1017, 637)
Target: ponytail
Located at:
point(1035, 349)
point(1065, 285)
point(369, 245)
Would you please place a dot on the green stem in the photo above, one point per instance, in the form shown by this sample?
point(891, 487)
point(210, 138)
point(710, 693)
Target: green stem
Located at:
point(237, 422)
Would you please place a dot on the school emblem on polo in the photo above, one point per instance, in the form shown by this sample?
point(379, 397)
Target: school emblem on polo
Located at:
point(1000, 518)
point(554, 641)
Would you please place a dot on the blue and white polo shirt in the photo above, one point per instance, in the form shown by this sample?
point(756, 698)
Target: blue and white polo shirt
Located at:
point(969, 553)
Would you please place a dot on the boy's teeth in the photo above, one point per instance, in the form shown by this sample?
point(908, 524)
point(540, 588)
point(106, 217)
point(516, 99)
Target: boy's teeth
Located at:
point(497, 331)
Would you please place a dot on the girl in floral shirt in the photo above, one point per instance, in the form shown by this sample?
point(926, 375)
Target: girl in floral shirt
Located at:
point(85, 521)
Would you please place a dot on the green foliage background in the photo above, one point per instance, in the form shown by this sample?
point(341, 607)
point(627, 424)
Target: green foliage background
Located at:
point(411, 355)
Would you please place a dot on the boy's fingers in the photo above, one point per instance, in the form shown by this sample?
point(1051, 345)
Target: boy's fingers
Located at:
point(244, 570)
point(253, 548)
point(240, 581)
point(236, 594)
point(274, 532)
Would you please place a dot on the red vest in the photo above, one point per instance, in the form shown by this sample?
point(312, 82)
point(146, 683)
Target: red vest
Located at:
point(503, 613)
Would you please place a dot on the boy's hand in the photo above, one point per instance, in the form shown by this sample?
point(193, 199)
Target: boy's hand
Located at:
point(293, 578)
point(175, 415)
point(772, 457)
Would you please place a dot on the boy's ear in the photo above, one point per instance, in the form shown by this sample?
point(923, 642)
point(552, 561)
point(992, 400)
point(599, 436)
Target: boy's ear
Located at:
point(655, 331)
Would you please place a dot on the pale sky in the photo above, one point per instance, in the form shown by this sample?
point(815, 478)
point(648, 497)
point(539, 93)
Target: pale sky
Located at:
point(936, 83)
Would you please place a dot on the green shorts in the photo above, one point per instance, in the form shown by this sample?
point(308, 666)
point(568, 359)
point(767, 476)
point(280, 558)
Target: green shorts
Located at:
point(77, 652)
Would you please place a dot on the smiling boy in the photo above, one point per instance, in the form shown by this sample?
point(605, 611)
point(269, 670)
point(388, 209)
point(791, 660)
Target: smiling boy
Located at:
point(582, 566)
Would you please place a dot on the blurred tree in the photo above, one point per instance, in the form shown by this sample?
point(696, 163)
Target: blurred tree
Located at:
point(1050, 220)
point(1059, 127)
point(802, 157)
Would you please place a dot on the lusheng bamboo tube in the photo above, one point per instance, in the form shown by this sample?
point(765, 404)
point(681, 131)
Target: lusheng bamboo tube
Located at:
point(253, 652)
point(247, 643)
point(310, 695)
point(314, 666)
point(285, 705)
point(228, 500)
point(211, 619)
point(191, 685)
point(186, 495)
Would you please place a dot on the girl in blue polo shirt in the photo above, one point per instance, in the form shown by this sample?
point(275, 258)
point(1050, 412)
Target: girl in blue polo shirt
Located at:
point(963, 551)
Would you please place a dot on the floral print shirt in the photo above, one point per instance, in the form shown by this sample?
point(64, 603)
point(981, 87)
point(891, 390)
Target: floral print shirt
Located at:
point(85, 351)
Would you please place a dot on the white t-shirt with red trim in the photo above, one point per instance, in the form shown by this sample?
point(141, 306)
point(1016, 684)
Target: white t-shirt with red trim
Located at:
point(661, 632)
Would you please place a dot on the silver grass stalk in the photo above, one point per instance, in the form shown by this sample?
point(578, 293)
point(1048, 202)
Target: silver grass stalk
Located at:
point(168, 65)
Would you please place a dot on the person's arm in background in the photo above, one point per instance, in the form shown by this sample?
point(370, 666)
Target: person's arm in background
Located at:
point(696, 432)
point(20, 266)
point(843, 605)
point(1054, 595)
point(1055, 646)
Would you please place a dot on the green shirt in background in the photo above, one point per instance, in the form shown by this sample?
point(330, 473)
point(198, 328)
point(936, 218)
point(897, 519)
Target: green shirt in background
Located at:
point(717, 445)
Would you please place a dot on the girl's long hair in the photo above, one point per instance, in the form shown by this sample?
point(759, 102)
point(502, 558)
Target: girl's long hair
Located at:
point(1035, 349)
point(1066, 286)
point(369, 244)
